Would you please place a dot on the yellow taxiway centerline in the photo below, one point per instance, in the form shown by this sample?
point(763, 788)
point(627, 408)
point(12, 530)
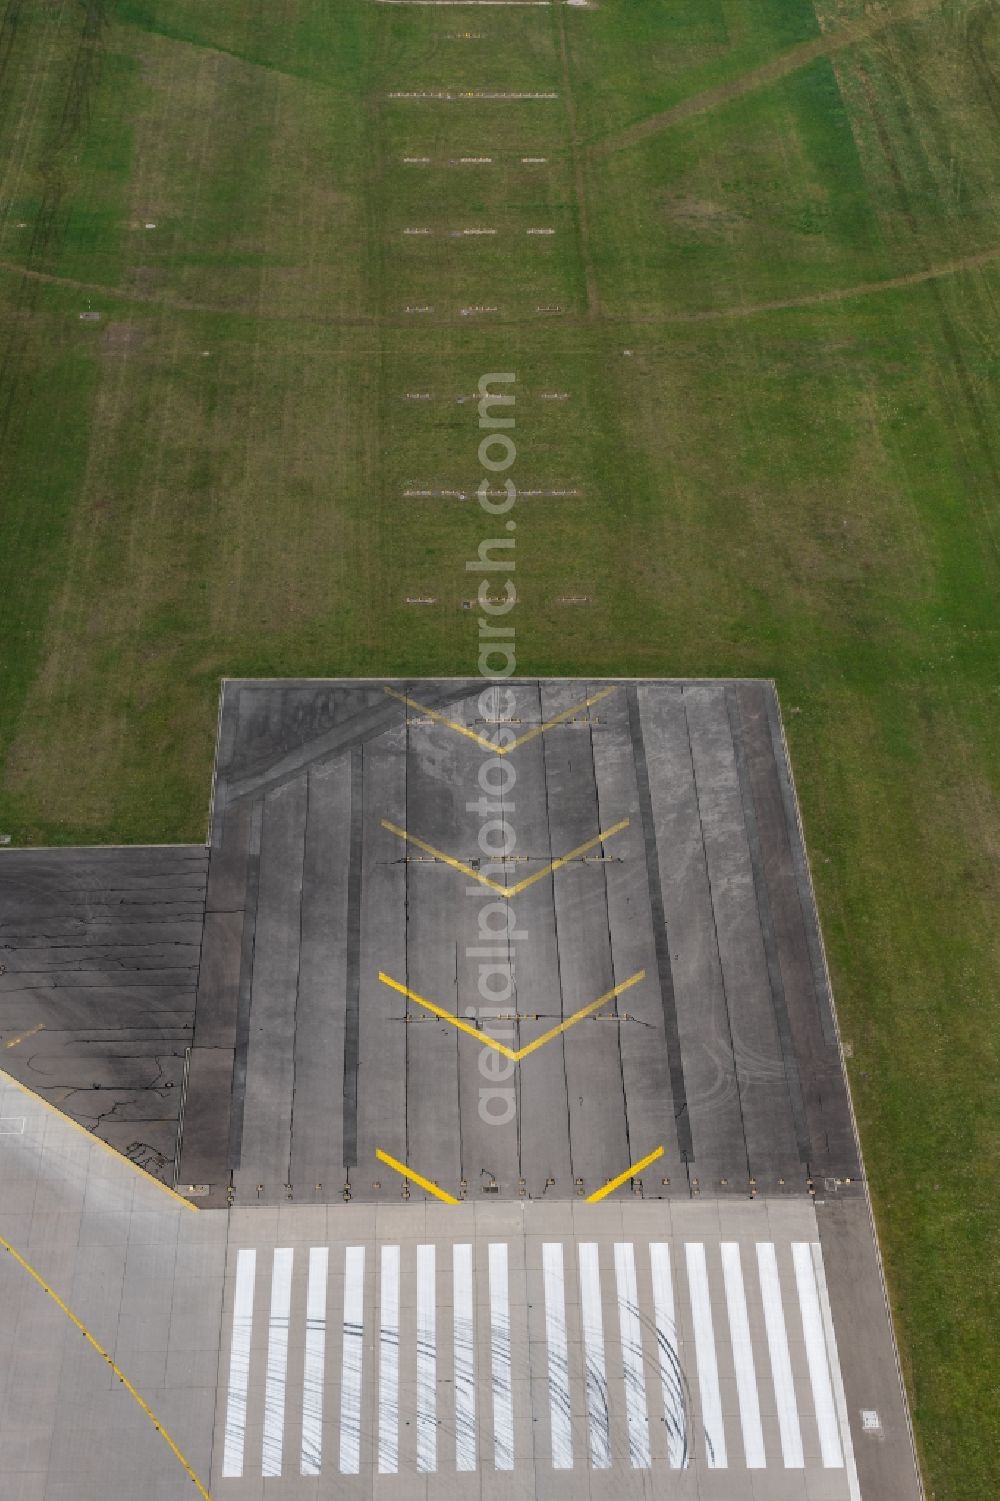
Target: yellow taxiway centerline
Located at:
point(491, 885)
point(486, 1041)
point(26, 1266)
point(484, 740)
point(630, 1172)
point(412, 1177)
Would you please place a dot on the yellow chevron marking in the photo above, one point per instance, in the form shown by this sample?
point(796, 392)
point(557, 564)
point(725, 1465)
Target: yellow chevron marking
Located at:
point(505, 891)
point(484, 740)
point(631, 1171)
point(486, 1041)
point(412, 1177)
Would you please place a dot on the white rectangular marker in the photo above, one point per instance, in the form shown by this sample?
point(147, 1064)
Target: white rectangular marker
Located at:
point(314, 1362)
point(388, 1363)
point(839, 1397)
point(631, 1337)
point(598, 1415)
point(464, 1359)
point(704, 1351)
point(239, 1365)
point(781, 1364)
point(500, 1361)
point(558, 1352)
point(668, 1356)
point(426, 1361)
point(351, 1364)
point(816, 1357)
point(746, 1376)
point(276, 1377)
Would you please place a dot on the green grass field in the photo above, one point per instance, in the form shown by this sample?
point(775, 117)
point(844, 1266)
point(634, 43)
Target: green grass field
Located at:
point(777, 264)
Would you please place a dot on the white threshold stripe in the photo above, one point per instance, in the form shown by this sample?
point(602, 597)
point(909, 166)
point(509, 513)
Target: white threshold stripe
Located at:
point(746, 1376)
point(668, 1357)
point(463, 1296)
point(388, 1363)
point(592, 1317)
point(788, 1318)
point(630, 1330)
point(816, 1357)
point(704, 1349)
point(426, 1361)
point(353, 1348)
point(560, 1411)
point(853, 1484)
point(500, 1359)
point(275, 1379)
point(781, 1365)
point(239, 1365)
point(314, 1362)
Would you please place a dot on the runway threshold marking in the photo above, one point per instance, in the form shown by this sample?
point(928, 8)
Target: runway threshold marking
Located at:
point(682, 1319)
point(25, 1035)
point(412, 1177)
point(515, 1055)
point(484, 740)
point(630, 1172)
point(491, 885)
point(37, 1276)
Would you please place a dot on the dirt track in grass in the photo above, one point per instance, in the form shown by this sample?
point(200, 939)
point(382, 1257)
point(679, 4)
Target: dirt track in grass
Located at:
point(778, 67)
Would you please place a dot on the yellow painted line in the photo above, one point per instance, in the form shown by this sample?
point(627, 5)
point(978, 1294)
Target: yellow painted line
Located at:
point(581, 849)
point(452, 724)
point(486, 1041)
point(484, 740)
point(540, 1042)
point(26, 1266)
point(448, 1016)
point(96, 1140)
point(631, 1171)
point(25, 1035)
point(429, 849)
point(412, 1177)
point(505, 891)
point(540, 729)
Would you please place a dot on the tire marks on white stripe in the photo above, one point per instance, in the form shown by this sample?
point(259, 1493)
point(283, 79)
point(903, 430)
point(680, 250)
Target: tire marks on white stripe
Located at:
point(630, 1329)
point(500, 1359)
point(463, 1295)
point(560, 1407)
point(592, 1319)
point(672, 1381)
point(351, 1360)
point(727, 1286)
point(708, 1366)
point(276, 1378)
point(239, 1365)
point(314, 1362)
point(388, 1363)
point(426, 1360)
